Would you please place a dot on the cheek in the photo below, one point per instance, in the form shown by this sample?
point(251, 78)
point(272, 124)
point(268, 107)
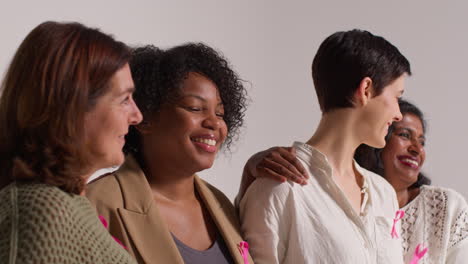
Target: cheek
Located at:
point(223, 131)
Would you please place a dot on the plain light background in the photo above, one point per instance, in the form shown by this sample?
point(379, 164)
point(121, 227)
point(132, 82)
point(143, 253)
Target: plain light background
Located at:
point(271, 45)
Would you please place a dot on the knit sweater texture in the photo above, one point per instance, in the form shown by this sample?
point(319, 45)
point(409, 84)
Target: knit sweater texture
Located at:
point(40, 223)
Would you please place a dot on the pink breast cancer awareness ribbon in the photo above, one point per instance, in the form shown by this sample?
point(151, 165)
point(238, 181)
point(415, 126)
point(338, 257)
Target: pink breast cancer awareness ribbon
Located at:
point(418, 254)
point(104, 223)
point(398, 216)
point(244, 251)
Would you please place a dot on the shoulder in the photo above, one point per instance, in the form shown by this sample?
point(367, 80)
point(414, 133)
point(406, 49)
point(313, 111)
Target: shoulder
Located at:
point(45, 207)
point(264, 193)
point(105, 191)
point(452, 197)
point(453, 206)
point(443, 199)
point(218, 194)
point(379, 184)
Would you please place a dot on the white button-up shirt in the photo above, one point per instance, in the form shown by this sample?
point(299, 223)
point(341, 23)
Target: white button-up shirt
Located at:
point(315, 223)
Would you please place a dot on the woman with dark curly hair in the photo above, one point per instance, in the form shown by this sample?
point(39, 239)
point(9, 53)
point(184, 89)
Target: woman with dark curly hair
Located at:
point(64, 111)
point(193, 104)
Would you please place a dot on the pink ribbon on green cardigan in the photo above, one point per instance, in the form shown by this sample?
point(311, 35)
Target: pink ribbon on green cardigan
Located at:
point(418, 254)
point(398, 216)
point(104, 223)
point(244, 251)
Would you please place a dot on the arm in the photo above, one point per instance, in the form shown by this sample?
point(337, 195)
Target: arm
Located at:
point(457, 251)
point(262, 225)
point(278, 163)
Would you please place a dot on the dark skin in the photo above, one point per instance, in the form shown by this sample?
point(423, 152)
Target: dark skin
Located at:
point(172, 156)
point(173, 152)
point(403, 157)
point(278, 163)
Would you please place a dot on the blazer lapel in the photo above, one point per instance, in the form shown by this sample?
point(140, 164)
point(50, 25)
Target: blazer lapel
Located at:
point(141, 217)
point(226, 220)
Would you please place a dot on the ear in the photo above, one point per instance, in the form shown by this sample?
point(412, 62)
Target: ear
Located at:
point(144, 127)
point(364, 92)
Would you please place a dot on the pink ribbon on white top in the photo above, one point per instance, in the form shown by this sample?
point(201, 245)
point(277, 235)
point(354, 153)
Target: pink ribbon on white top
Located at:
point(244, 251)
point(104, 223)
point(418, 254)
point(398, 216)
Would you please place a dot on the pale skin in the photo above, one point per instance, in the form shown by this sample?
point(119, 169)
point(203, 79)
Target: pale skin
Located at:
point(378, 112)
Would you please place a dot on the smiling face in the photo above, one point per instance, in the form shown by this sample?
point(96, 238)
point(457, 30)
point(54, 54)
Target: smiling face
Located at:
point(404, 154)
point(107, 123)
point(380, 112)
point(188, 132)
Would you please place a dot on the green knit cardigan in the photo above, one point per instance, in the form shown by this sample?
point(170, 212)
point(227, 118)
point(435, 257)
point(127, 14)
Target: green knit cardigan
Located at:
point(40, 223)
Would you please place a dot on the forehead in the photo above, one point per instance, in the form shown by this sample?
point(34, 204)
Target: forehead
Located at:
point(397, 86)
point(200, 85)
point(121, 81)
point(412, 122)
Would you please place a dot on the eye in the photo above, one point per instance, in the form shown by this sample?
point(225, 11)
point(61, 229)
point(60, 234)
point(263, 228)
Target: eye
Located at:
point(193, 108)
point(126, 100)
point(423, 143)
point(220, 115)
point(404, 134)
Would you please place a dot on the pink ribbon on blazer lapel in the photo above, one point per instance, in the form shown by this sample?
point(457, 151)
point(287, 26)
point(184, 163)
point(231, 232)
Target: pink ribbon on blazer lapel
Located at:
point(398, 216)
point(244, 251)
point(104, 223)
point(418, 254)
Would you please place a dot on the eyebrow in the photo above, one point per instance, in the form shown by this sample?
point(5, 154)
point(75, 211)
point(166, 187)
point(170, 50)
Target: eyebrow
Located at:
point(199, 98)
point(411, 131)
point(130, 89)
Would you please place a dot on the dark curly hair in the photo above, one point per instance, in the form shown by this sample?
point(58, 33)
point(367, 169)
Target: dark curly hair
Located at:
point(370, 158)
point(159, 74)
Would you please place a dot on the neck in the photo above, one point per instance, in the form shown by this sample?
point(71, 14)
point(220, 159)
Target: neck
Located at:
point(337, 145)
point(168, 180)
point(86, 177)
point(406, 195)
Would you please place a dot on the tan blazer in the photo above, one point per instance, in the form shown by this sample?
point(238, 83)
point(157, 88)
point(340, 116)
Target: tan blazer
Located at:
point(124, 198)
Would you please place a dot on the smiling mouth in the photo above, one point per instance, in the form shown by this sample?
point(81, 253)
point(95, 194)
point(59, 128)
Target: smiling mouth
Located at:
point(409, 162)
point(210, 142)
point(205, 144)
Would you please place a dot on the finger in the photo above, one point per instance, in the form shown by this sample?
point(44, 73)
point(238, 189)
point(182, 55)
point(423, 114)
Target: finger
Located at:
point(291, 156)
point(268, 173)
point(282, 170)
point(290, 161)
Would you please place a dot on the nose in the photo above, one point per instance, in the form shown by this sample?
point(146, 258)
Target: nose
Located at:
point(415, 148)
point(398, 116)
point(212, 121)
point(135, 116)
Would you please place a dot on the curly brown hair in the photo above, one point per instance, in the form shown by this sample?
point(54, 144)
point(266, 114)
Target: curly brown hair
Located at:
point(57, 74)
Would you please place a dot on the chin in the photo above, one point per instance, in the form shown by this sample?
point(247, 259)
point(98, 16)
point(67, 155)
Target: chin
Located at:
point(116, 160)
point(204, 165)
point(377, 143)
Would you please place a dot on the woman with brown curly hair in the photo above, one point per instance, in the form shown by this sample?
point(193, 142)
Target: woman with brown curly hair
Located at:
point(65, 109)
point(193, 104)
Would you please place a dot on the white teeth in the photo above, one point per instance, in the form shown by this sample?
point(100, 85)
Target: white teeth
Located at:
point(411, 161)
point(210, 142)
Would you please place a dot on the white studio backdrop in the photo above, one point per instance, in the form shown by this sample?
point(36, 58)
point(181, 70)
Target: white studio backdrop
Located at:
point(271, 45)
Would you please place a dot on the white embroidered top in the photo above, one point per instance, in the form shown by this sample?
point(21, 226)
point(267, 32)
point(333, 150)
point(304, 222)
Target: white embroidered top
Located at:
point(438, 218)
point(292, 224)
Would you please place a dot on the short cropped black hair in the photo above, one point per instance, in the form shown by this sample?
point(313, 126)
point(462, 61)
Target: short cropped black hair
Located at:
point(345, 58)
point(158, 76)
